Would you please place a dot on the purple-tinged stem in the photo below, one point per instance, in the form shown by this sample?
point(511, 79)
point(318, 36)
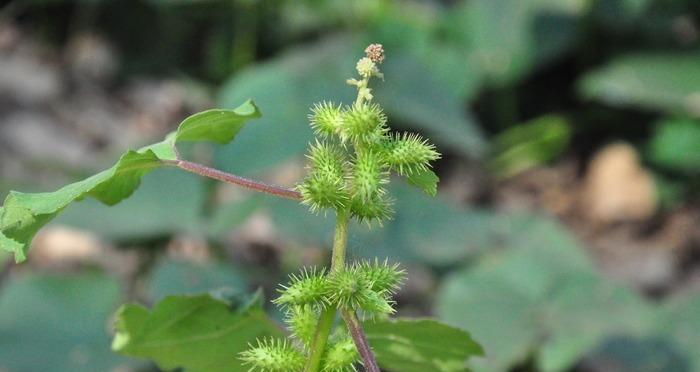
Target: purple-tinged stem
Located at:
point(358, 336)
point(216, 174)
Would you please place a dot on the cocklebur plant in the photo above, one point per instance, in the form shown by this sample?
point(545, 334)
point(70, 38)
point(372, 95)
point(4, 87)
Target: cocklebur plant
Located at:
point(349, 168)
point(350, 163)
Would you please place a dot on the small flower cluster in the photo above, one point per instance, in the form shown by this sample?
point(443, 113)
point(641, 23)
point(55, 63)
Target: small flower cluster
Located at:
point(350, 162)
point(364, 287)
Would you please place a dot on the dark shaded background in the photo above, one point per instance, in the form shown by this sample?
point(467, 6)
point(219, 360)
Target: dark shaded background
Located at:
point(565, 234)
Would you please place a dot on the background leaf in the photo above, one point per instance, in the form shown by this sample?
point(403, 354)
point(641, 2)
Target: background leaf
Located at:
point(409, 345)
point(666, 82)
point(539, 297)
point(59, 323)
point(675, 145)
point(173, 277)
point(529, 145)
point(197, 333)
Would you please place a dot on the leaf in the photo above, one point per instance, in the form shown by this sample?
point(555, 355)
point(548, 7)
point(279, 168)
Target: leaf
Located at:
point(538, 297)
point(147, 213)
point(537, 32)
point(419, 345)
point(530, 144)
point(217, 125)
point(22, 215)
point(419, 101)
point(665, 82)
point(676, 145)
point(172, 277)
point(425, 180)
point(57, 323)
point(680, 322)
point(670, 345)
point(196, 333)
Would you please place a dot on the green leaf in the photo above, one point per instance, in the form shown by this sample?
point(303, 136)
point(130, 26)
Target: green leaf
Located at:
point(530, 144)
point(22, 215)
point(670, 345)
point(537, 32)
point(147, 213)
point(419, 345)
point(680, 322)
point(543, 297)
point(666, 82)
point(196, 333)
point(676, 145)
point(425, 180)
point(172, 277)
point(218, 125)
point(57, 323)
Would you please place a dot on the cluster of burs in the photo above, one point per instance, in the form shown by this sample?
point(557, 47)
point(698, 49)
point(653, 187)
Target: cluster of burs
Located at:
point(349, 166)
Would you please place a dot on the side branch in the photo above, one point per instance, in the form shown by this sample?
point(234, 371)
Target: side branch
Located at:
point(358, 336)
point(216, 174)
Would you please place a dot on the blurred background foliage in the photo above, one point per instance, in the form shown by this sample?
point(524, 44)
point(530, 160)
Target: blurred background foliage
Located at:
point(565, 234)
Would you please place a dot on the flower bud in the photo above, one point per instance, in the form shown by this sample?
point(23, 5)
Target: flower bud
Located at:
point(366, 68)
point(375, 52)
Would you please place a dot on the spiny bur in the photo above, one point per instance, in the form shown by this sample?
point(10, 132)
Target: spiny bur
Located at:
point(273, 355)
point(341, 356)
point(301, 321)
point(306, 288)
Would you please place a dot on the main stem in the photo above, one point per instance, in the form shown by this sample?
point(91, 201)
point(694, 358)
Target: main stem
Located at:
point(325, 321)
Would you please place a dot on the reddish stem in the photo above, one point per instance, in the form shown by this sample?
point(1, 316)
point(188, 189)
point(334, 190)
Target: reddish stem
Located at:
point(360, 340)
point(216, 174)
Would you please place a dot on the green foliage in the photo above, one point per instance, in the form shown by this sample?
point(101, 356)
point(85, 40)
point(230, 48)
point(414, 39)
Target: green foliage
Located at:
point(58, 321)
point(675, 145)
point(174, 277)
point(666, 82)
point(503, 57)
point(418, 345)
point(543, 298)
point(22, 215)
point(529, 145)
point(197, 333)
point(146, 214)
